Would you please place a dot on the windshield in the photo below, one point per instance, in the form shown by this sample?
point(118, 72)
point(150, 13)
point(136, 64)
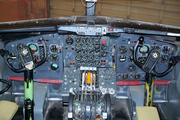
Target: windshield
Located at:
point(155, 11)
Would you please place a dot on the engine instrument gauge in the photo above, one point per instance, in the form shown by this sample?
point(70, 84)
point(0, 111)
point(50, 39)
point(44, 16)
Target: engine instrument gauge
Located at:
point(84, 46)
point(97, 40)
point(54, 48)
point(78, 40)
point(91, 52)
point(78, 58)
point(84, 58)
point(97, 52)
point(54, 57)
point(90, 58)
point(104, 54)
point(78, 52)
point(96, 58)
point(96, 46)
point(90, 46)
point(78, 46)
point(84, 40)
point(104, 47)
point(90, 40)
point(33, 47)
point(69, 41)
point(84, 52)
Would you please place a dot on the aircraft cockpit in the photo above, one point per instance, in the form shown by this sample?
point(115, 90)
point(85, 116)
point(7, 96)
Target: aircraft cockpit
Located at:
point(90, 68)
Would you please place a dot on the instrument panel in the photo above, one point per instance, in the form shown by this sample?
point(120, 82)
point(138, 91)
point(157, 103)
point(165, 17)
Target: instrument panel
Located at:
point(73, 51)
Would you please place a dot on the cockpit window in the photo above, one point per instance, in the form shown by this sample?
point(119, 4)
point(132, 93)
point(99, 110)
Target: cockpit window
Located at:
point(155, 11)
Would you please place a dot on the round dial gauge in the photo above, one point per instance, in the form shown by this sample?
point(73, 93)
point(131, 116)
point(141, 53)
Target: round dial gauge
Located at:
point(144, 49)
point(83, 63)
point(130, 58)
point(90, 63)
point(131, 49)
point(142, 60)
point(78, 52)
point(90, 40)
point(84, 58)
point(90, 52)
point(165, 49)
point(97, 52)
point(78, 46)
point(96, 63)
point(54, 57)
point(90, 46)
point(122, 49)
point(33, 47)
point(122, 58)
point(96, 58)
point(78, 58)
point(69, 41)
point(96, 46)
point(104, 54)
point(84, 52)
point(19, 46)
point(54, 48)
point(97, 40)
point(78, 63)
point(78, 40)
point(90, 58)
point(84, 46)
point(84, 40)
point(104, 47)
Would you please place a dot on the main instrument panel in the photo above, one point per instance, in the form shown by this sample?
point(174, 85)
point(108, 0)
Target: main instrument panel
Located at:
point(73, 51)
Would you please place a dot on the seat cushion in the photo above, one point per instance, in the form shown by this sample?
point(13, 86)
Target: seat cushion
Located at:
point(7, 110)
point(146, 113)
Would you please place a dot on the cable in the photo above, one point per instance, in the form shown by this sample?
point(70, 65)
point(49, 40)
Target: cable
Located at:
point(86, 5)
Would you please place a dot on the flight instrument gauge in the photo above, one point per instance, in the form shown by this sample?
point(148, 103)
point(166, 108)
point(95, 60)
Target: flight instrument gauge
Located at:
point(144, 49)
point(69, 41)
point(54, 57)
point(54, 49)
point(33, 47)
point(165, 49)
